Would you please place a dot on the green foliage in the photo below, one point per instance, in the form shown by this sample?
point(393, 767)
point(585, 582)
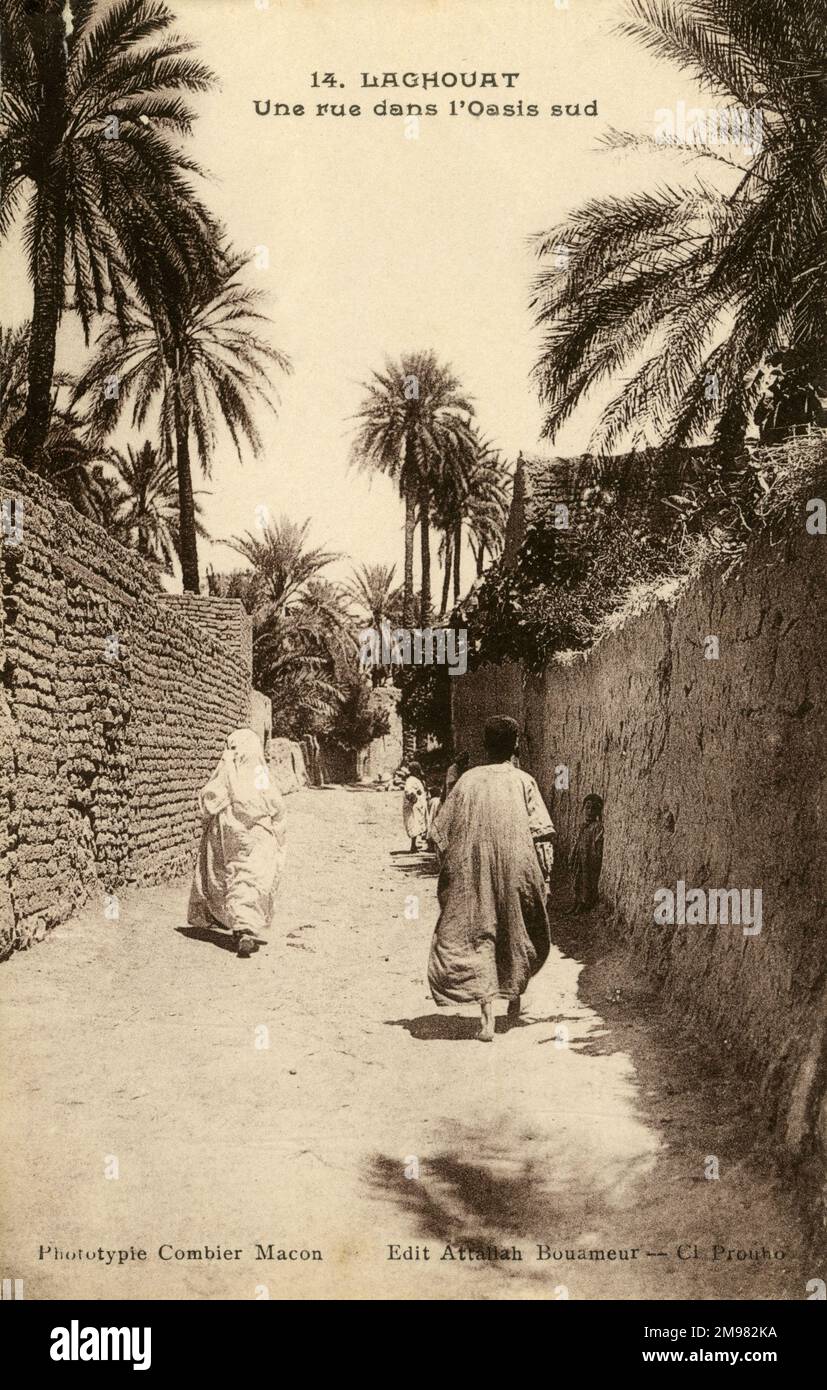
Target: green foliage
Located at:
point(303, 649)
point(763, 490)
point(128, 212)
point(359, 718)
point(563, 586)
point(701, 282)
point(551, 601)
point(425, 705)
point(146, 488)
point(414, 425)
point(205, 356)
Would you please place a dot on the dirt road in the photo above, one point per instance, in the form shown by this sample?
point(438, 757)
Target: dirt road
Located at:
point(162, 1095)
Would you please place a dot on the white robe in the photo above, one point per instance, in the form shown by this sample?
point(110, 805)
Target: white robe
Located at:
point(241, 855)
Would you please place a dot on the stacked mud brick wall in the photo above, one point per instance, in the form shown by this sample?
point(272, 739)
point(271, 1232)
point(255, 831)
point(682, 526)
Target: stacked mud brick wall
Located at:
point(116, 700)
point(223, 618)
point(713, 772)
point(6, 778)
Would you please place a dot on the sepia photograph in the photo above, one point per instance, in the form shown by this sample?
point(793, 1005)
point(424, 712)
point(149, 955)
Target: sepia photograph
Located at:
point(413, 487)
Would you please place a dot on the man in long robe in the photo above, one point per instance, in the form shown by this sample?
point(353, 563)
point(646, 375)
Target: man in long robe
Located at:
point(493, 931)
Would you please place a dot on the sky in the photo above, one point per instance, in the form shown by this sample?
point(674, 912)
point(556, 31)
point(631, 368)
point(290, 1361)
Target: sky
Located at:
point(377, 243)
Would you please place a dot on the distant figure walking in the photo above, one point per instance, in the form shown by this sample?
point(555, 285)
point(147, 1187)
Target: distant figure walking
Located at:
point(493, 932)
point(242, 846)
point(415, 807)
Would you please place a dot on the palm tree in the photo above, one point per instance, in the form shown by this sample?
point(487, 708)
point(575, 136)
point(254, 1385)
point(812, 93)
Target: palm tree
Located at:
point(74, 464)
point(413, 423)
point(450, 501)
point(109, 501)
point(477, 496)
point(14, 347)
point(705, 284)
point(376, 594)
point(90, 115)
point(282, 563)
point(487, 507)
point(202, 359)
point(149, 492)
point(379, 601)
point(302, 645)
point(294, 658)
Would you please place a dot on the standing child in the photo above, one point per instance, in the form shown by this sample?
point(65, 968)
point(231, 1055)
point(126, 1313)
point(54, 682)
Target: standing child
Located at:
point(587, 856)
point(415, 807)
point(434, 804)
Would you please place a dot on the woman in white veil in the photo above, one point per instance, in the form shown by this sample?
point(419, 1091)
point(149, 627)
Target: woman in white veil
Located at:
point(241, 856)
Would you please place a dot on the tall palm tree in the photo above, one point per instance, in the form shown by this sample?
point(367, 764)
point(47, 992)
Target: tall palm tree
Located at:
point(91, 112)
point(203, 360)
point(149, 515)
point(704, 283)
point(476, 496)
point(413, 423)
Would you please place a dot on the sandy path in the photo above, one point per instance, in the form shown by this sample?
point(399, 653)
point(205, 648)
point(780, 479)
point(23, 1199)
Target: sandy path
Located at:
point(131, 1041)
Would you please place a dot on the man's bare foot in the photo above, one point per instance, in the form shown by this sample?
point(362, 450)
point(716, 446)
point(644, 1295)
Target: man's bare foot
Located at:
point(514, 1009)
point(487, 1027)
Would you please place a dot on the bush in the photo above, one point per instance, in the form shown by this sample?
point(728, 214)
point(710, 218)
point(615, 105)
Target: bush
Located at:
point(425, 705)
point(358, 719)
point(519, 615)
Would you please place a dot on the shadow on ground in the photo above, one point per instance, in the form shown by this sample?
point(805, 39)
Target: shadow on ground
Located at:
point(415, 865)
point(456, 1028)
point(215, 936)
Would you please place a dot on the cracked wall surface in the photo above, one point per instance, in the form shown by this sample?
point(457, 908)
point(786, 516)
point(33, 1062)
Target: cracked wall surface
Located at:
point(712, 773)
point(115, 701)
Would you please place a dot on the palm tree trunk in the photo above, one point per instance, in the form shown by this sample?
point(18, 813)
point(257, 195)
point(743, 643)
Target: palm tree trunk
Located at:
point(186, 500)
point(48, 37)
point(457, 561)
point(425, 553)
point(408, 585)
point(446, 581)
point(408, 731)
point(480, 559)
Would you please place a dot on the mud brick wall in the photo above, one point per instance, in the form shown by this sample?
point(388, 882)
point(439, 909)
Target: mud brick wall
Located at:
point(225, 619)
point(477, 697)
point(115, 705)
point(712, 772)
point(6, 777)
